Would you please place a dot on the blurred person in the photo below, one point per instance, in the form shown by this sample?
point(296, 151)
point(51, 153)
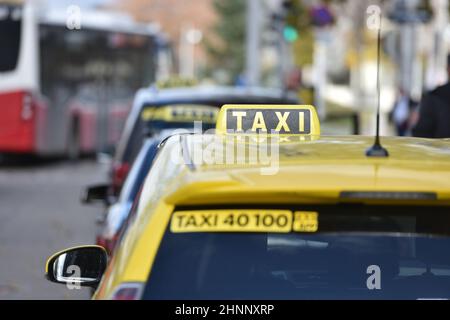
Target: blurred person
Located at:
point(402, 113)
point(434, 112)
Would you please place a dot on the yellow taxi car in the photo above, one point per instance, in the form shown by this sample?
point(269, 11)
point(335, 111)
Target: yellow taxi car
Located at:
point(266, 208)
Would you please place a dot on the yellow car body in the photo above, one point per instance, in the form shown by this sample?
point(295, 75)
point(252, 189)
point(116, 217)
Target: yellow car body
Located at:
point(324, 170)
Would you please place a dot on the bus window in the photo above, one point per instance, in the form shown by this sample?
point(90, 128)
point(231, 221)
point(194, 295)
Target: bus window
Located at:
point(91, 72)
point(10, 29)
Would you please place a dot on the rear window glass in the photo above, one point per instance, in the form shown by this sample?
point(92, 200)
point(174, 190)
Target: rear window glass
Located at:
point(10, 34)
point(354, 249)
point(146, 126)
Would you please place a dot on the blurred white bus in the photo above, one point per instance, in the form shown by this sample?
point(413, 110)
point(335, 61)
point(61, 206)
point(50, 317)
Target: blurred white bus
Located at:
point(64, 90)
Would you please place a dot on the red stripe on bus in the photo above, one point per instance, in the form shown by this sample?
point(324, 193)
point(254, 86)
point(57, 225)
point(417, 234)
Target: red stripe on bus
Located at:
point(17, 125)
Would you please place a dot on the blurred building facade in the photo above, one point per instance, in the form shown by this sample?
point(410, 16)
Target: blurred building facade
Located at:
point(187, 24)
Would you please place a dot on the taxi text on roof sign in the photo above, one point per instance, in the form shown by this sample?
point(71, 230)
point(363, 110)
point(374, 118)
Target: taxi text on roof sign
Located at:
point(268, 119)
point(180, 113)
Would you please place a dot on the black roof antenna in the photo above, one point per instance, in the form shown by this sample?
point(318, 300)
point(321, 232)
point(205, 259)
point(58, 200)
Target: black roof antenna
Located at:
point(377, 150)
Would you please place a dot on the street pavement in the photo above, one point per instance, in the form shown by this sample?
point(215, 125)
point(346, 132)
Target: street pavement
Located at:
point(40, 213)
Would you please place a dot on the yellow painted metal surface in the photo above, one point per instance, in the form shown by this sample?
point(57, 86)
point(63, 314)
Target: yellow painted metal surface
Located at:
point(309, 172)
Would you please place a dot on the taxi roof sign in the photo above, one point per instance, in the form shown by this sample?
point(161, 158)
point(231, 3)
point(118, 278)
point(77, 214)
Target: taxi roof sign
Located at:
point(284, 120)
point(180, 113)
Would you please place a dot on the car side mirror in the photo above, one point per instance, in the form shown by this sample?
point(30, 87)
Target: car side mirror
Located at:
point(82, 266)
point(96, 194)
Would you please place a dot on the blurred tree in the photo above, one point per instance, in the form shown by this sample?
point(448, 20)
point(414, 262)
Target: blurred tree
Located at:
point(226, 47)
point(425, 6)
point(298, 18)
point(304, 18)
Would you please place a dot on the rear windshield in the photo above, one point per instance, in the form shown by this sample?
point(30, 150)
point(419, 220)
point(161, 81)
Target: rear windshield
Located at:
point(143, 129)
point(350, 252)
point(10, 30)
